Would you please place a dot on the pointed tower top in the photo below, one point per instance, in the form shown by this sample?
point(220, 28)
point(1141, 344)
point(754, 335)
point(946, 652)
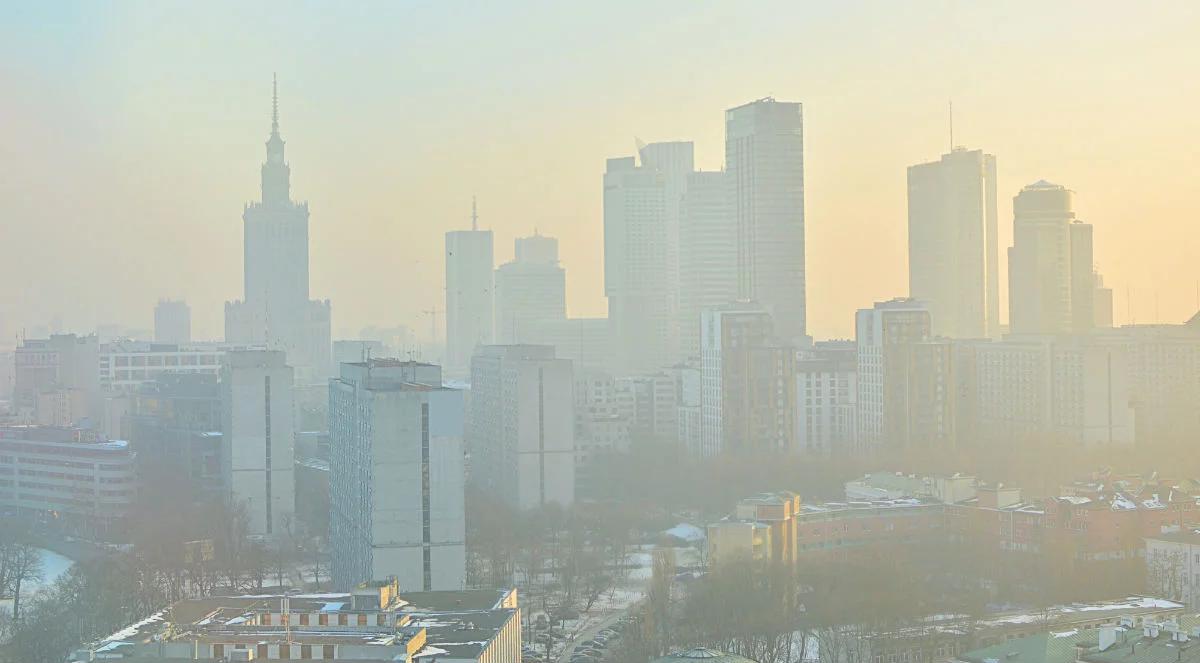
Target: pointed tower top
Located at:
point(474, 215)
point(274, 103)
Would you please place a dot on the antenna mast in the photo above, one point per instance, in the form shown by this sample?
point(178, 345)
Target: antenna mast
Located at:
point(951, 125)
point(474, 215)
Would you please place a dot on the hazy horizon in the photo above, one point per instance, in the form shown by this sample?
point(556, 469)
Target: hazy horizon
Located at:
point(135, 134)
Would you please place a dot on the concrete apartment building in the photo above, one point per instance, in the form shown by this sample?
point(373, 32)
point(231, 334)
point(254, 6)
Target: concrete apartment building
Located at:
point(906, 398)
point(747, 382)
point(521, 425)
point(258, 434)
point(396, 481)
point(826, 398)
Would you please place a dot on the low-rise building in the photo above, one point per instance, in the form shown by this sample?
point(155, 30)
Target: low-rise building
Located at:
point(68, 475)
point(371, 624)
point(1173, 566)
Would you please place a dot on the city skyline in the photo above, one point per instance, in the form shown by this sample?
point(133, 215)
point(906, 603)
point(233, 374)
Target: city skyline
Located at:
point(371, 181)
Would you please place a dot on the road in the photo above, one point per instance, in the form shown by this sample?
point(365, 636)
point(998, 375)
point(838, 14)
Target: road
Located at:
point(589, 633)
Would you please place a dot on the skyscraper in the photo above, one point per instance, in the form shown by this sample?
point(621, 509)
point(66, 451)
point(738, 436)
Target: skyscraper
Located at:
point(764, 160)
point(276, 310)
point(469, 312)
point(257, 434)
point(172, 322)
point(708, 270)
point(636, 272)
point(952, 245)
point(1052, 286)
point(530, 290)
point(397, 505)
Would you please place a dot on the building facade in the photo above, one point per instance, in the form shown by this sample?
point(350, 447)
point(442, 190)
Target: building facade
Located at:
point(764, 161)
point(69, 476)
point(172, 322)
point(952, 244)
point(747, 382)
point(469, 296)
point(257, 437)
point(521, 425)
point(397, 477)
point(530, 290)
point(708, 254)
point(826, 398)
point(276, 310)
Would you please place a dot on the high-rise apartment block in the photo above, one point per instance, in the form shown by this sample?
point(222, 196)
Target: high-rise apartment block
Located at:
point(764, 161)
point(396, 476)
point(952, 245)
point(258, 433)
point(521, 425)
point(905, 379)
point(826, 397)
point(747, 382)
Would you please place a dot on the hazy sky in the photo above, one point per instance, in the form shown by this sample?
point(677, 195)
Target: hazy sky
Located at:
point(131, 136)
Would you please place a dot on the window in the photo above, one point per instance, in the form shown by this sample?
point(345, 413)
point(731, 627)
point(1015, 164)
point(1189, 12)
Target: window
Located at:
point(266, 619)
point(343, 619)
point(327, 652)
point(218, 651)
point(306, 651)
point(362, 619)
point(261, 651)
point(304, 619)
point(323, 619)
point(285, 651)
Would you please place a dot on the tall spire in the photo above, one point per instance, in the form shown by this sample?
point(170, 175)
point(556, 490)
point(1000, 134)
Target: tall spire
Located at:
point(474, 215)
point(275, 172)
point(274, 103)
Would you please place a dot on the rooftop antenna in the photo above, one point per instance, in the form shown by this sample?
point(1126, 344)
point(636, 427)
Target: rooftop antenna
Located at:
point(474, 215)
point(274, 103)
point(951, 125)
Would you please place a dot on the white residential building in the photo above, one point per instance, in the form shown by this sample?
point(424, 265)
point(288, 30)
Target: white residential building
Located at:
point(258, 434)
point(397, 505)
point(521, 425)
point(126, 365)
point(952, 245)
